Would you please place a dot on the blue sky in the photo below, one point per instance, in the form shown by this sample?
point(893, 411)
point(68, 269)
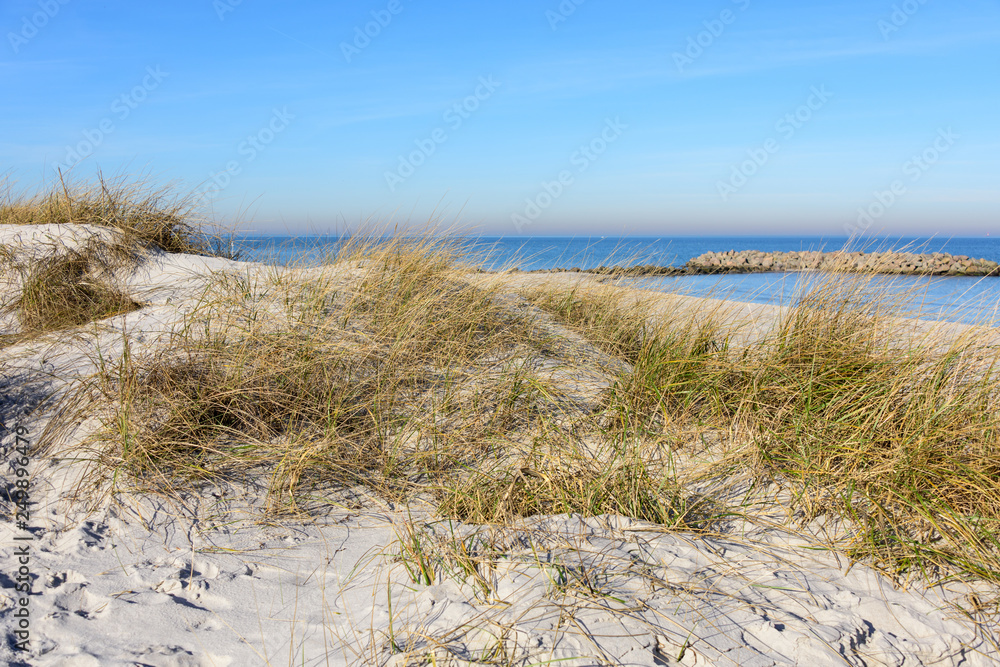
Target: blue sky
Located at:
point(521, 117)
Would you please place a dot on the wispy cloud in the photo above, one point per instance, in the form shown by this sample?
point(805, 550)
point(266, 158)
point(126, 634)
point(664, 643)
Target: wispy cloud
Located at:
point(590, 72)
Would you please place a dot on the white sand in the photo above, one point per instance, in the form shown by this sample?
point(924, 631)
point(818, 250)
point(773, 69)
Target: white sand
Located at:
point(139, 582)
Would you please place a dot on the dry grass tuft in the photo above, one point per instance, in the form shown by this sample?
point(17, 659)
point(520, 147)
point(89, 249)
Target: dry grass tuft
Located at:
point(389, 368)
point(358, 373)
point(899, 433)
point(679, 360)
point(587, 487)
point(145, 215)
point(67, 290)
point(902, 430)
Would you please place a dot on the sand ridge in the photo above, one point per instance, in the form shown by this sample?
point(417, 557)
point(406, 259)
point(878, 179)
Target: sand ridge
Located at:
point(140, 580)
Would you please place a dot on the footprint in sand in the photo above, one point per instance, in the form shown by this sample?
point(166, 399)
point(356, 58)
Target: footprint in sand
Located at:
point(78, 660)
point(86, 537)
point(83, 603)
point(59, 579)
point(93, 533)
point(176, 656)
point(196, 569)
point(70, 594)
point(675, 653)
point(190, 583)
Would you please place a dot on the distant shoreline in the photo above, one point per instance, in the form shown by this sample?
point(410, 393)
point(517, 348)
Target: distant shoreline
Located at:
point(666, 255)
point(755, 261)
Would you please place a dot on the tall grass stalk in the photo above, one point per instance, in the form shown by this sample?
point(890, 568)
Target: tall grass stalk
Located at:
point(362, 372)
point(392, 369)
point(145, 215)
point(67, 290)
point(899, 431)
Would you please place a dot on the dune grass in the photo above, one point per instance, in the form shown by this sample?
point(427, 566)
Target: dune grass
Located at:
point(386, 369)
point(389, 368)
point(896, 432)
point(60, 293)
point(71, 285)
point(678, 360)
point(65, 290)
point(350, 375)
point(146, 216)
point(624, 485)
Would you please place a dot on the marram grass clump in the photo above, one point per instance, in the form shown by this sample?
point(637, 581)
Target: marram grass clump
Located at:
point(361, 372)
point(903, 429)
point(64, 284)
point(146, 216)
point(679, 360)
point(624, 486)
point(898, 431)
point(67, 290)
point(394, 369)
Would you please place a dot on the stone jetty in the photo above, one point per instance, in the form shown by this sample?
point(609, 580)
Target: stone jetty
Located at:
point(899, 263)
point(756, 261)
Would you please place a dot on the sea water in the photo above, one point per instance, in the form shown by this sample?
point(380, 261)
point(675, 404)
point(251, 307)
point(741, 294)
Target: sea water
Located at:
point(964, 299)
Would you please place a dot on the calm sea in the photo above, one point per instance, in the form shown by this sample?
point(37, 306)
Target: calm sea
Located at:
point(959, 299)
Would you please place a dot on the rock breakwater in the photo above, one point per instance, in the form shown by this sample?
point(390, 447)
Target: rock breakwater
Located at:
point(901, 263)
point(756, 261)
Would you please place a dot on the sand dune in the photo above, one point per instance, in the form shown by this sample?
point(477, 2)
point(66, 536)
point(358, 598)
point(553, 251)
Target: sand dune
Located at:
point(206, 580)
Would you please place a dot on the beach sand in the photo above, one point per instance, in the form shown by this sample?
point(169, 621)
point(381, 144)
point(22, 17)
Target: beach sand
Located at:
point(208, 580)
